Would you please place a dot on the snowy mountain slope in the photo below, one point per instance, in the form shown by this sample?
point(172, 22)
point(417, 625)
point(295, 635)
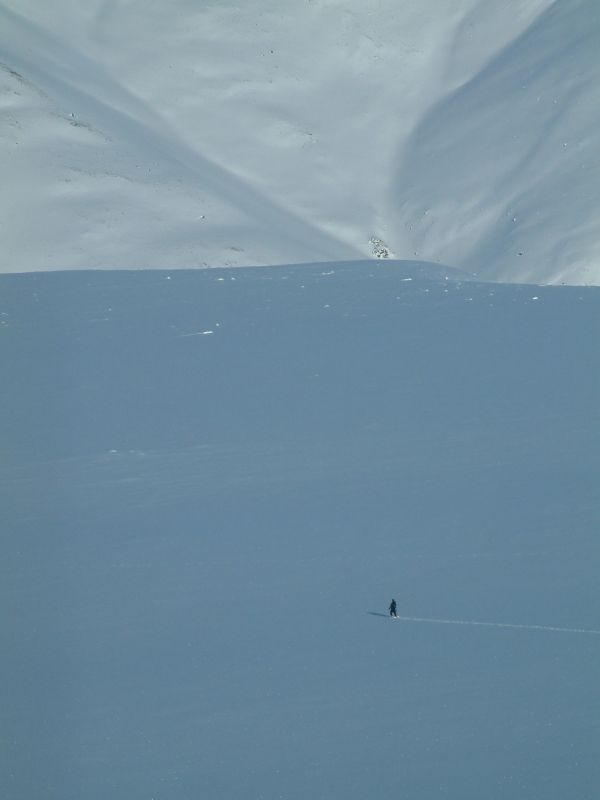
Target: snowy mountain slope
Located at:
point(502, 174)
point(186, 134)
point(125, 169)
point(214, 481)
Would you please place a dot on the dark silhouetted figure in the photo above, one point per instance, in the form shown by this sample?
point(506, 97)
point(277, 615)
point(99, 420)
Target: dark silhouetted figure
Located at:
point(393, 608)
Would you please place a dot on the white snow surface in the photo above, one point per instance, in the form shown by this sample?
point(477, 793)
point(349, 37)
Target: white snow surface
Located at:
point(188, 133)
point(201, 535)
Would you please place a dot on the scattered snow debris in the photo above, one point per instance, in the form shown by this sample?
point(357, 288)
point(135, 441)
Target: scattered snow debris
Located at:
point(380, 249)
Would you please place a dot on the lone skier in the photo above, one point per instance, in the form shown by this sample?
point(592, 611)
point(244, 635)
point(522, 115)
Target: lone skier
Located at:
point(393, 608)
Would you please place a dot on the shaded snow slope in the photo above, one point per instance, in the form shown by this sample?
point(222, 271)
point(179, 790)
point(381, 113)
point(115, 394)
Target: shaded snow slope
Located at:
point(213, 483)
point(193, 134)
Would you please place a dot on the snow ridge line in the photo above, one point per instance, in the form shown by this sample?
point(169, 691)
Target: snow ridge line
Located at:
point(552, 628)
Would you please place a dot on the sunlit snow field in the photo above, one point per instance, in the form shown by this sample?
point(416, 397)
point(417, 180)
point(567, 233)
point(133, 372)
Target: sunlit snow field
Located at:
point(214, 482)
point(199, 133)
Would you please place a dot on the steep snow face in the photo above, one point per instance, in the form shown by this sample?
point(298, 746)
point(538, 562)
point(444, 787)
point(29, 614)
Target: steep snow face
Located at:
point(190, 134)
point(502, 174)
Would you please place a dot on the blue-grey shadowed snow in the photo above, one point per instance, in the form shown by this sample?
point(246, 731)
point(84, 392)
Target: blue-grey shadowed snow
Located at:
point(214, 482)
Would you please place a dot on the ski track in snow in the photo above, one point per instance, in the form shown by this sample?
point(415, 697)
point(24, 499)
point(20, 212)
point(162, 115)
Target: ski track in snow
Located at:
point(517, 626)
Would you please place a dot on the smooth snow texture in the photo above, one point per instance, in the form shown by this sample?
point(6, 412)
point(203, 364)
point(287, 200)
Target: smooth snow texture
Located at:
point(202, 534)
point(183, 134)
point(517, 626)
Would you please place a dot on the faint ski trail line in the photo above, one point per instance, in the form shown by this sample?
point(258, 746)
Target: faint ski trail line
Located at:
point(434, 621)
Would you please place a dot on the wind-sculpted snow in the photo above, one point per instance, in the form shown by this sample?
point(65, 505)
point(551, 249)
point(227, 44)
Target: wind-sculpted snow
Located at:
point(214, 482)
point(189, 134)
